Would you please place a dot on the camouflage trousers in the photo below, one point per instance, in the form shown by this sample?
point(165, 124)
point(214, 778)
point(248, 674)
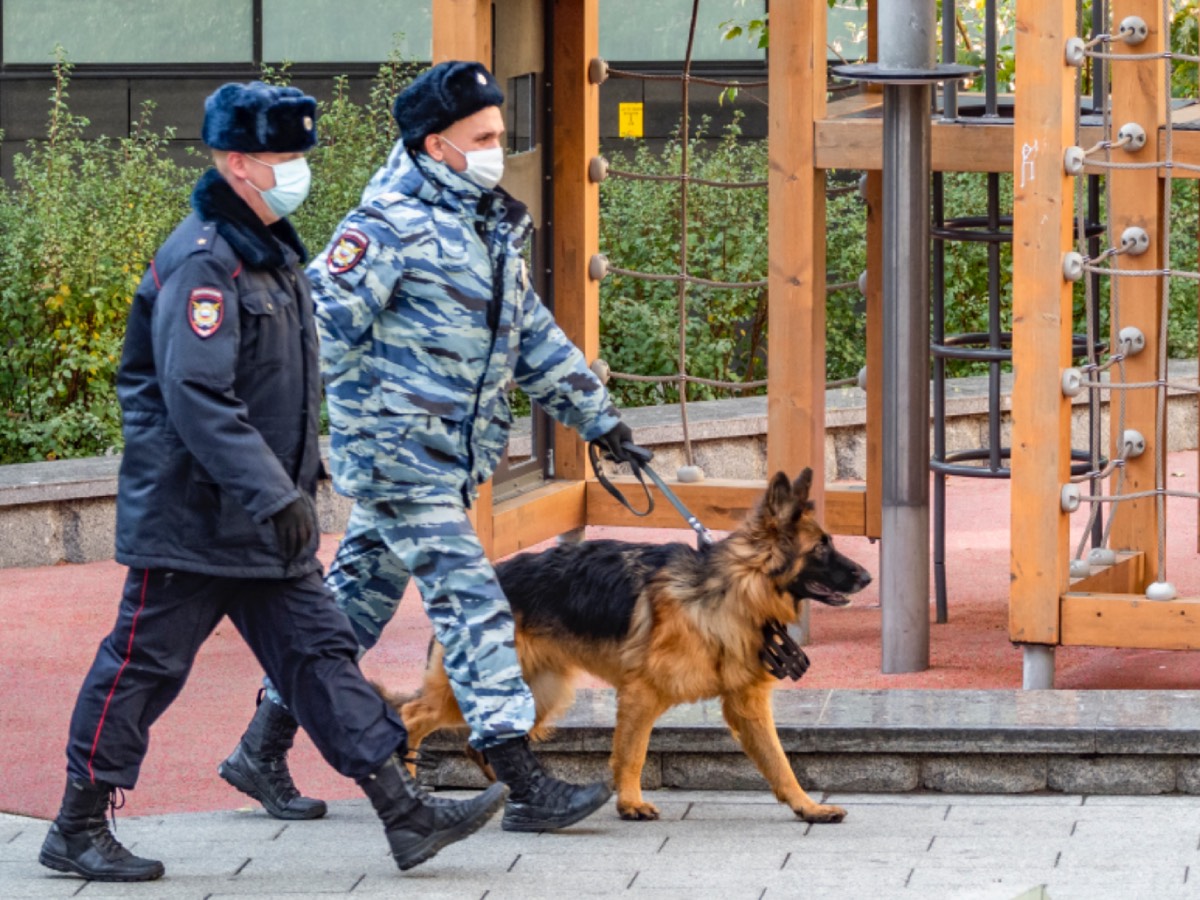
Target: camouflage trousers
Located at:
point(387, 543)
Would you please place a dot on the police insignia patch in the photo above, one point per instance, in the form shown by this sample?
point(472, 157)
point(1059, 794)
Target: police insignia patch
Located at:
point(347, 251)
point(206, 311)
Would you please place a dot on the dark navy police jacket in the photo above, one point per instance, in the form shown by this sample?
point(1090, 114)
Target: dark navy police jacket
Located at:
point(220, 394)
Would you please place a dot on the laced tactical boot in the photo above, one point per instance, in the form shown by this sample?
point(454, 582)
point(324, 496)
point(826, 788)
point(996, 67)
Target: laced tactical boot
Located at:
point(258, 765)
point(539, 802)
point(80, 841)
point(418, 825)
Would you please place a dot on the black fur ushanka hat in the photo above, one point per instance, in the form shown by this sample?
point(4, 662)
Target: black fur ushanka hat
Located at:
point(259, 118)
point(442, 95)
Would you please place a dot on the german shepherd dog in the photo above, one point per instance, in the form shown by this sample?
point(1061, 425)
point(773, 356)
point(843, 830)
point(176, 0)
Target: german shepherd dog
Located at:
point(665, 624)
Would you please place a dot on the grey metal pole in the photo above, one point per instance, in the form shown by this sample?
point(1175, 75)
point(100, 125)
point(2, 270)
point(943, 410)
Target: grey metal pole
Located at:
point(1038, 667)
point(904, 554)
point(906, 69)
point(907, 42)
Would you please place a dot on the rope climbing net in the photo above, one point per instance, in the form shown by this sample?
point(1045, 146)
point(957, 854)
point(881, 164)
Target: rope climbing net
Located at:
point(1107, 363)
point(684, 278)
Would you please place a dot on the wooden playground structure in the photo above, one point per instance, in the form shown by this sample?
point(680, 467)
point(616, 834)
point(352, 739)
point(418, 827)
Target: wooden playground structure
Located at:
point(1052, 603)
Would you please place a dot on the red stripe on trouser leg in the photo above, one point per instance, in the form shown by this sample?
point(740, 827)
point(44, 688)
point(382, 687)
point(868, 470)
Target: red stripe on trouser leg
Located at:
point(117, 679)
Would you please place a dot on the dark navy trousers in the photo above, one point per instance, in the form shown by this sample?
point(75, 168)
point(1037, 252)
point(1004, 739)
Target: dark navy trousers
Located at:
point(299, 636)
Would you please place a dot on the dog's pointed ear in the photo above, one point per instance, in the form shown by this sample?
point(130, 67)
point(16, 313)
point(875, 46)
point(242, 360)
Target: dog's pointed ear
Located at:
point(779, 494)
point(802, 485)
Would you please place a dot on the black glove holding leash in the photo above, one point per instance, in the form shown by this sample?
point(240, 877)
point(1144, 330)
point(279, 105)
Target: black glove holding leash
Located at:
point(295, 526)
point(618, 443)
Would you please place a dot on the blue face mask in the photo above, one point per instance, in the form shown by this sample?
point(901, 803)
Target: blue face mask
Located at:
point(292, 180)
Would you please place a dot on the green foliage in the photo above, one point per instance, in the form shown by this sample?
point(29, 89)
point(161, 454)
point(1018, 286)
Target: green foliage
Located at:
point(725, 329)
point(79, 226)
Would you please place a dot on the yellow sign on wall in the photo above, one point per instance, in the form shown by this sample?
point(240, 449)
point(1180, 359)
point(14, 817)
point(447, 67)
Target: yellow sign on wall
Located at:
point(629, 120)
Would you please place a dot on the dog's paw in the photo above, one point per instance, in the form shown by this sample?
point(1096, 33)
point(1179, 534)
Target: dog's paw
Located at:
point(641, 811)
point(821, 814)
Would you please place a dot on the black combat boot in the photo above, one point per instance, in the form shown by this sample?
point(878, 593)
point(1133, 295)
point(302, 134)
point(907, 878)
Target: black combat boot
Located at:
point(79, 840)
point(258, 765)
point(418, 825)
point(539, 802)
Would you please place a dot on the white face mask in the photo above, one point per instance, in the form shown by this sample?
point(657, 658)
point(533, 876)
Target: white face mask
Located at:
point(292, 180)
point(484, 167)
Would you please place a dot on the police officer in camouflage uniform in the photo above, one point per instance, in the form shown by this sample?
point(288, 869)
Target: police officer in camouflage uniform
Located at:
point(220, 395)
point(427, 316)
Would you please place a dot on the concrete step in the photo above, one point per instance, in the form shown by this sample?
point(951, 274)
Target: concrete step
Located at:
point(889, 741)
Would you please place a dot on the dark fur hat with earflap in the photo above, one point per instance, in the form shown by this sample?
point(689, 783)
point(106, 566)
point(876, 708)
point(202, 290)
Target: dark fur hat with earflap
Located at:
point(442, 95)
point(260, 118)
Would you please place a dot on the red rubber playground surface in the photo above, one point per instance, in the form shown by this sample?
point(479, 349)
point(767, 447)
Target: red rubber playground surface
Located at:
point(55, 616)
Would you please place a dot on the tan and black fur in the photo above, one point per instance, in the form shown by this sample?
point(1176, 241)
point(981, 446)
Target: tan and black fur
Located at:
point(665, 624)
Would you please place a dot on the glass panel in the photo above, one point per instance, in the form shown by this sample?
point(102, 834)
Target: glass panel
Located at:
point(129, 31)
point(333, 31)
point(637, 30)
point(520, 100)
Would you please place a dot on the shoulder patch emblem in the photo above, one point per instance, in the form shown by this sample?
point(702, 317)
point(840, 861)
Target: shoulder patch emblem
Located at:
point(206, 311)
point(348, 251)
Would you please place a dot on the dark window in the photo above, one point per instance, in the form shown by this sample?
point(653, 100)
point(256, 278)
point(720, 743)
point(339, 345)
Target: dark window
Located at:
point(520, 119)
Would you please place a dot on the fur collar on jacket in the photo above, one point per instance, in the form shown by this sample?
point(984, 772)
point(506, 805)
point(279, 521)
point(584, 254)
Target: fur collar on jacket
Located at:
point(256, 244)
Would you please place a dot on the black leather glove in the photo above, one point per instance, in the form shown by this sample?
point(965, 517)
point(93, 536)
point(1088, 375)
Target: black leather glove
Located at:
point(295, 526)
point(613, 443)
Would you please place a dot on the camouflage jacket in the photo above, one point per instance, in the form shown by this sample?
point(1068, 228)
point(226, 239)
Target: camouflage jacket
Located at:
point(427, 317)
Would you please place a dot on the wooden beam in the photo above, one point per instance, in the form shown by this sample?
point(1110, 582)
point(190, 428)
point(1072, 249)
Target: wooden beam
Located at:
point(719, 504)
point(462, 29)
point(576, 206)
point(1042, 319)
point(1123, 577)
point(796, 242)
point(545, 512)
point(851, 137)
point(1136, 199)
point(1120, 620)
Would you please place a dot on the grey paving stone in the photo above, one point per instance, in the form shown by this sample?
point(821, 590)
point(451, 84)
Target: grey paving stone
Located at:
point(998, 820)
point(1007, 882)
point(766, 810)
point(1187, 778)
point(1112, 775)
point(990, 774)
point(1151, 806)
point(694, 771)
point(889, 773)
point(27, 879)
point(948, 798)
point(952, 850)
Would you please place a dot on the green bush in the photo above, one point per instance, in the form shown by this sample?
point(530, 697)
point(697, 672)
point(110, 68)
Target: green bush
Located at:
point(79, 225)
point(725, 329)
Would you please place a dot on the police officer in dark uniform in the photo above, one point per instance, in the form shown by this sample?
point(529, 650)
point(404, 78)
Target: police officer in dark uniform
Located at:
point(219, 388)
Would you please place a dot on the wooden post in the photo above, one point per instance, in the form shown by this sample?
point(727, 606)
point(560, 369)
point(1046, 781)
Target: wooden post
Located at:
point(576, 212)
point(796, 244)
point(1137, 199)
point(462, 29)
point(1042, 319)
